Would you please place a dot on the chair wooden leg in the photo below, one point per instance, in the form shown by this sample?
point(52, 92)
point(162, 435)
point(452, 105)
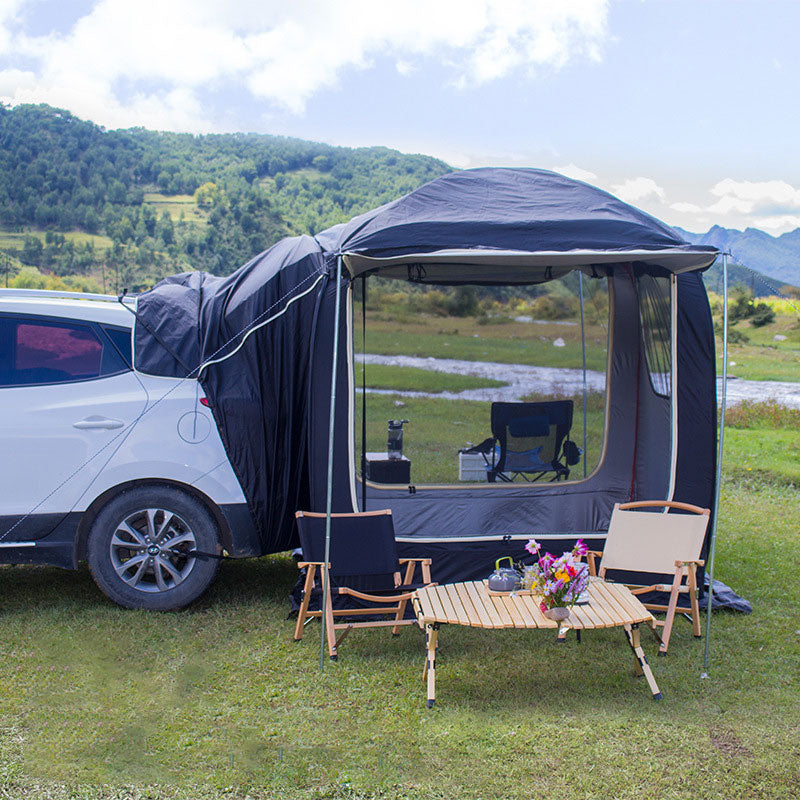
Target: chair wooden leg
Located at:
point(401, 607)
point(308, 587)
point(431, 640)
point(692, 580)
point(642, 665)
point(329, 625)
point(671, 607)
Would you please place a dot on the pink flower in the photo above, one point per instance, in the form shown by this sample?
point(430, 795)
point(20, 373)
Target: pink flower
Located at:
point(542, 607)
point(532, 547)
point(580, 548)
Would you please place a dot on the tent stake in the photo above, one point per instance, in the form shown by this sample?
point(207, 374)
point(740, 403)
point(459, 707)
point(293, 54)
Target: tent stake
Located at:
point(329, 501)
point(713, 537)
point(583, 352)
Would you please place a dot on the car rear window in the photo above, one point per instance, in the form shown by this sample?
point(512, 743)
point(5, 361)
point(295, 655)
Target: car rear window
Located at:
point(121, 337)
point(36, 351)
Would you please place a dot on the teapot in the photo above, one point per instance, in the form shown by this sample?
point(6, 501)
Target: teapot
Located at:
point(504, 579)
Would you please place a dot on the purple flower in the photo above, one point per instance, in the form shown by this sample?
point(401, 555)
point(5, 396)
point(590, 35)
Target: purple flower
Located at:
point(580, 548)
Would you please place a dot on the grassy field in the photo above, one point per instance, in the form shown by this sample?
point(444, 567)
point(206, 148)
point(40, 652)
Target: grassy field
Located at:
point(382, 376)
point(217, 701)
point(467, 338)
point(762, 358)
point(438, 428)
point(176, 205)
point(12, 240)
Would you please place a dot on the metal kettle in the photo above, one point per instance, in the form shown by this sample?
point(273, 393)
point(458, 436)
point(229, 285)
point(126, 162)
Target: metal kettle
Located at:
point(504, 579)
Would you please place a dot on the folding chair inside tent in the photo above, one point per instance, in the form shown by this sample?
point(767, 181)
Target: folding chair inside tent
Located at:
point(363, 564)
point(660, 544)
point(531, 441)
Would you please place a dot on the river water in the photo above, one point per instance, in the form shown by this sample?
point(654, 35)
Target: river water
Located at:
point(523, 380)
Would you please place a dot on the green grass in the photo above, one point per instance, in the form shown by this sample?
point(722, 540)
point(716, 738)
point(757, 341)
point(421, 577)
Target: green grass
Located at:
point(762, 358)
point(438, 428)
point(465, 338)
point(382, 376)
point(176, 205)
point(217, 701)
point(12, 240)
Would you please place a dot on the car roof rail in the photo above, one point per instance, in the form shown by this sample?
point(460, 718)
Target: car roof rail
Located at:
point(49, 294)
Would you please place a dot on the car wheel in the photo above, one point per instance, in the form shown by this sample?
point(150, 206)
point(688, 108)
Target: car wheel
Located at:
point(140, 548)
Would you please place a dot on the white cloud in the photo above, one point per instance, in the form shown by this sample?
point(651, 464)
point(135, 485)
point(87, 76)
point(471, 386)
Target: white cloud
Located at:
point(686, 208)
point(404, 67)
point(123, 56)
point(576, 173)
point(635, 189)
point(772, 206)
point(758, 191)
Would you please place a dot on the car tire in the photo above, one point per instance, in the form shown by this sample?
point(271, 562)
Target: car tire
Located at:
point(139, 548)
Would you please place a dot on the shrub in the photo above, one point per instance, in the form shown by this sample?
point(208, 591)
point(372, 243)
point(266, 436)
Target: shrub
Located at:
point(550, 306)
point(463, 302)
point(735, 336)
point(762, 315)
point(758, 414)
point(29, 278)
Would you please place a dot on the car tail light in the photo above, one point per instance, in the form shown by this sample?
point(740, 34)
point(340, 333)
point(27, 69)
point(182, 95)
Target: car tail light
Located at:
point(204, 402)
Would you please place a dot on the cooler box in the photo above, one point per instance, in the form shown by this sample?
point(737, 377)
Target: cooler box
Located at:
point(471, 467)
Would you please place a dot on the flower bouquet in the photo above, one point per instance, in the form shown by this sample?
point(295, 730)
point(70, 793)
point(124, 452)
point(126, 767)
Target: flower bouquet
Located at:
point(559, 581)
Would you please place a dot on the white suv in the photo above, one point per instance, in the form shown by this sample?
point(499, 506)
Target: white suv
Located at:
point(103, 463)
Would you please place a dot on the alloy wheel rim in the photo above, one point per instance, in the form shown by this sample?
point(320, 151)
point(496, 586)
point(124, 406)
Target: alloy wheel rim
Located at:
point(150, 550)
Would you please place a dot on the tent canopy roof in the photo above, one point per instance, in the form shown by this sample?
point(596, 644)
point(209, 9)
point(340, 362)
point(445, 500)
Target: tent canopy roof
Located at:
point(499, 225)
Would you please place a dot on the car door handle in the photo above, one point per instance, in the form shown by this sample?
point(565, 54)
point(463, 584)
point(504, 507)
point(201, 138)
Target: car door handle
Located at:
point(98, 422)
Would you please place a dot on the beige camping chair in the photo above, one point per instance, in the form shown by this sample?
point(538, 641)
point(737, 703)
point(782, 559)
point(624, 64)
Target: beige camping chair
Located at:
point(657, 544)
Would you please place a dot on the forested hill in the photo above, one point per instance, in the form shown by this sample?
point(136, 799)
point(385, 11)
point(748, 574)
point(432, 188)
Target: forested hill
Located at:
point(76, 199)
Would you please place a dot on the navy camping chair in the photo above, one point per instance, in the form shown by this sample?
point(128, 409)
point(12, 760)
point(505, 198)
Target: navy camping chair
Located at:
point(531, 440)
point(363, 565)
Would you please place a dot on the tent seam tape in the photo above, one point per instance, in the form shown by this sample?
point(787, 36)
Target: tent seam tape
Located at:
point(239, 346)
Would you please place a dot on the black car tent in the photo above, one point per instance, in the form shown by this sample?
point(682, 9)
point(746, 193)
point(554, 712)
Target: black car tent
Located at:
point(272, 347)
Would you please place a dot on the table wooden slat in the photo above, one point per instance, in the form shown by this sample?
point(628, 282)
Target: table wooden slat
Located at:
point(492, 618)
point(447, 605)
point(427, 611)
point(464, 617)
point(479, 613)
point(496, 604)
point(605, 592)
point(532, 604)
point(627, 602)
point(513, 609)
point(525, 611)
point(468, 603)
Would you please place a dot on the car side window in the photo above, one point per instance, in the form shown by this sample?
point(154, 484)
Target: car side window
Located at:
point(37, 351)
point(121, 337)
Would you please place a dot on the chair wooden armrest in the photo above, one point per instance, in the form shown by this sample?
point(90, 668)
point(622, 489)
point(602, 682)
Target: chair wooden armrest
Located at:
point(304, 564)
point(376, 598)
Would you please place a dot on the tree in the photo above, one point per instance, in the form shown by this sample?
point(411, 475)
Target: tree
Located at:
point(32, 249)
point(165, 229)
point(207, 195)
point(29, 278)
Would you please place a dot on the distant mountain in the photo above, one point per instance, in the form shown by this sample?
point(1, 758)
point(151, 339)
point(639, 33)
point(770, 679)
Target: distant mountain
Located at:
point(777, 257)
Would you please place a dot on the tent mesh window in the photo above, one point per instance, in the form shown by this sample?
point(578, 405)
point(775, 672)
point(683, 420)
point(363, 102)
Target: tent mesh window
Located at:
point(655, 313)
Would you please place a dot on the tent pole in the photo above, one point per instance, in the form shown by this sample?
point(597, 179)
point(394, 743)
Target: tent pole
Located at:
point(364, 393)
point(583, 352)
point(329, 501)
point(713, 537)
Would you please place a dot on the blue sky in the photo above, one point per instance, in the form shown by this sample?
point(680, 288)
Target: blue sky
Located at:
point(686, 108)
